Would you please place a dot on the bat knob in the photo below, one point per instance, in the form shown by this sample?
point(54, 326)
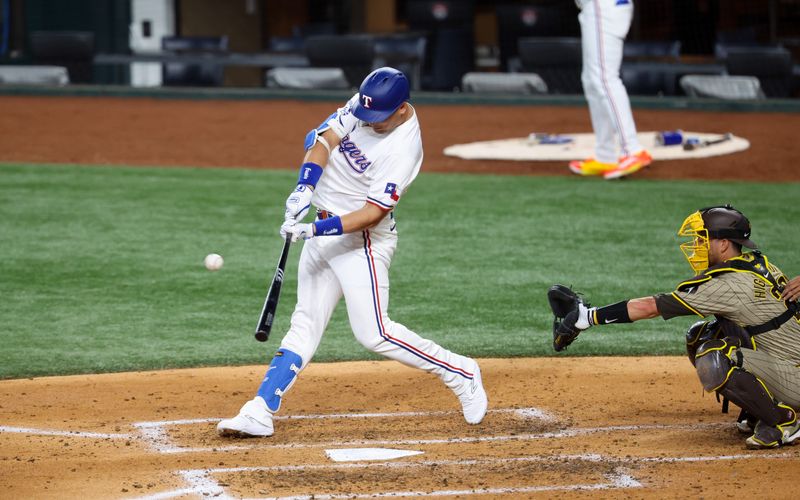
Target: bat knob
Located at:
point(262, 336)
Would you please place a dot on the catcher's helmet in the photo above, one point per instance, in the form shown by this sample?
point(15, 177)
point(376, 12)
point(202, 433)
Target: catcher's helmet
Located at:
point(380, 94)
point(727, 223)
point(719, 222)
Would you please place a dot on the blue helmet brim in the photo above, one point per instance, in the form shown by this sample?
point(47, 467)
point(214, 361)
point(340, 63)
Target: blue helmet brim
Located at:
point(372, 115)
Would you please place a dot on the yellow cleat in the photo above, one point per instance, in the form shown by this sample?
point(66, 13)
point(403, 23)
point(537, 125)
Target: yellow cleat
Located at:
point(591, 167)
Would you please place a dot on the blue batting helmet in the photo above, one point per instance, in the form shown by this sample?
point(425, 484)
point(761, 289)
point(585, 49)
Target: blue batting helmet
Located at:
point(380, 94)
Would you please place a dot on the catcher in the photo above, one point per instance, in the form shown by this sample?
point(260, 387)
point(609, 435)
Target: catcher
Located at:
point(750, 352)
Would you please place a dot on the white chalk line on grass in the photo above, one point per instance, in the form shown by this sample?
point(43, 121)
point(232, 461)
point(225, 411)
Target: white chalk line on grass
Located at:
point(202, 484)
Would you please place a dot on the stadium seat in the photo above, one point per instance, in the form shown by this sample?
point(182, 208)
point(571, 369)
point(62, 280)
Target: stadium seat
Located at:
point(651, 50)
point(193, 75)
point(73, 50)
point(353, 54)
point(449, 50)
point(722, 87)
point(33, 75)
point(771, 65)
point(557, 61)
point(504, 83)
point(405, 52)
point(307, 78)
point(515, 21)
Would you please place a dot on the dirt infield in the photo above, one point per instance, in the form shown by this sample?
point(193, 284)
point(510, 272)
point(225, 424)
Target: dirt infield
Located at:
point(269, 134)
point(630, 427)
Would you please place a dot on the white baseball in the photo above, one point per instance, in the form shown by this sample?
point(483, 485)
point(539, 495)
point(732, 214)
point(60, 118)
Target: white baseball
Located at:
point(213, 261)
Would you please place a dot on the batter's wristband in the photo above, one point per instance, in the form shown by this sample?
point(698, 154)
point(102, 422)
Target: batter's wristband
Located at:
point(310, 173)
point(615, 313)
point(328, 227)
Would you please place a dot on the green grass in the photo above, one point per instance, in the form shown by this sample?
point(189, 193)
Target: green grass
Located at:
point(102, 267)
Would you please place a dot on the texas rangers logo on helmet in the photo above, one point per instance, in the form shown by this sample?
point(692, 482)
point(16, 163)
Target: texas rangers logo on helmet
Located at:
point(367, 100)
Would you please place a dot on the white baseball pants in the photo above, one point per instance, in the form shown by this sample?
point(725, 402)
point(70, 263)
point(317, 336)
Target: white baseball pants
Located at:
point(356, 266)
point(604, 25)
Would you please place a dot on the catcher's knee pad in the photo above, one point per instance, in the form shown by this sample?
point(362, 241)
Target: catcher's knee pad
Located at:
point(698, 334)
point(281, 374)
point(714, 362)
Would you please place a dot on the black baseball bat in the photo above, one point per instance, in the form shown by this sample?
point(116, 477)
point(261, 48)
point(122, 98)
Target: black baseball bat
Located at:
point(691, 146)
point(271, 302)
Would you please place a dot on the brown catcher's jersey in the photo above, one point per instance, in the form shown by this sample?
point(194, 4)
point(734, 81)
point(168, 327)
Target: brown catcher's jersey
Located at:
point(740, 290)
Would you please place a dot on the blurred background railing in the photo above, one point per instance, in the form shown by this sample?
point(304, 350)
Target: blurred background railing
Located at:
point(729, 49)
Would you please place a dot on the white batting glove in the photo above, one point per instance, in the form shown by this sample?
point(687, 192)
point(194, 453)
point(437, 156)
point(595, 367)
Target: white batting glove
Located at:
point(297, 231)
point(298, 202)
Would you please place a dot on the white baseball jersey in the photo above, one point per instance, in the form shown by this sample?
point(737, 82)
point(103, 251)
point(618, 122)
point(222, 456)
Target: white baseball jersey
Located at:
point(604, 26)
point(368, 167)
point(365, 168)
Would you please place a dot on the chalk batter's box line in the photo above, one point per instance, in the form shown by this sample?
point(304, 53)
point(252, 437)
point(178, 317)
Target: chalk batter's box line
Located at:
point(154, 431)
point(201, 482)
point(164, 445)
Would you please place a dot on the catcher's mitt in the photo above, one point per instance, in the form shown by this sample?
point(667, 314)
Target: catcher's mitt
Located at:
point(564, 303)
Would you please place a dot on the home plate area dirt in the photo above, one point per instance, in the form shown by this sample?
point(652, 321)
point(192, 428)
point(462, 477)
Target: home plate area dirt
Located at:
point(566, 427)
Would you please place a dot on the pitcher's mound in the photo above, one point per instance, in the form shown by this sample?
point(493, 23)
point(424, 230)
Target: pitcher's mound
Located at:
point(581, 146)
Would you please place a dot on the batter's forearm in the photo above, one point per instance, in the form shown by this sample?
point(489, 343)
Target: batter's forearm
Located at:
point(364, 218)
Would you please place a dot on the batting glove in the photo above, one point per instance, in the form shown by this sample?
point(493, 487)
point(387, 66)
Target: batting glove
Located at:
point(297, 231)
point(298, 202)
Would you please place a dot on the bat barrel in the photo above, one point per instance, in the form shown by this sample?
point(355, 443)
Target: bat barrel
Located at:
point(271, 302)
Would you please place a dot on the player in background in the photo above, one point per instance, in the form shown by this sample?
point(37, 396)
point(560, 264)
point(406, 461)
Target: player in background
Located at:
point(750, 352)
point(358, 164)
point(604, 25)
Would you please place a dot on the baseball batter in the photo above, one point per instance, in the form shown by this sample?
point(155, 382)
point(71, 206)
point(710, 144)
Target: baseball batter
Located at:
point(750, 352)
point(604, 26)
point(358, 164)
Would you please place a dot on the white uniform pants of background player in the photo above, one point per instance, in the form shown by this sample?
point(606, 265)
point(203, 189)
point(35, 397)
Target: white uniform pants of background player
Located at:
point(356, 266)
point(604, 25)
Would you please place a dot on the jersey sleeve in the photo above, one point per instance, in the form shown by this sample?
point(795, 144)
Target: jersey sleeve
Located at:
point(669, 306)
point(709, 297)
point(392, 180)
point(343, 121)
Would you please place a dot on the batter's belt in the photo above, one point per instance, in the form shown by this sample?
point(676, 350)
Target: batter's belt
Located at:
point(324, 214)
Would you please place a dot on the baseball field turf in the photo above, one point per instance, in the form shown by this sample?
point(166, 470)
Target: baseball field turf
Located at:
point(102, 268)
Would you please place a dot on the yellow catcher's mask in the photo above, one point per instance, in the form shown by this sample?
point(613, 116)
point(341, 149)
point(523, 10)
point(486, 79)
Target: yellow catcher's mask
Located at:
point(696, 249)
point(721, 222)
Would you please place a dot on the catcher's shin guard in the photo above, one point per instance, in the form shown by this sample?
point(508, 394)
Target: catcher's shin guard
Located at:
point(719, 372)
